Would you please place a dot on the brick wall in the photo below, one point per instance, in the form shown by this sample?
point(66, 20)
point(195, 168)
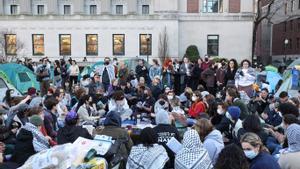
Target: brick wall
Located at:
point(286, 30)
point(192, 6)
point(234, 6)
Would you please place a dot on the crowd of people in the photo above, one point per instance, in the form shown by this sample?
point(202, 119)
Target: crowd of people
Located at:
point(224, 116)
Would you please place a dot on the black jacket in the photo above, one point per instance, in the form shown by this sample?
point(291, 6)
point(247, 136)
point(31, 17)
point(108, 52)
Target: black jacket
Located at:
point(141, 73)
point(164, 132)
point(24, 147)
point(68, 134)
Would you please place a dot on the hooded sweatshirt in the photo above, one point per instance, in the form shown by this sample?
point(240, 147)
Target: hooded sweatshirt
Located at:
point(69, 133)
point(213, 143)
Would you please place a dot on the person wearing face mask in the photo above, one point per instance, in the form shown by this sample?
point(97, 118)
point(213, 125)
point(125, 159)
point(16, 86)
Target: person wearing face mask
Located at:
point(106, 72)
point(206, 64)
point(141, 70)
point(198, 106)
point(219, 114)
point(256, 153)
point(230, 123)
point(173, 99)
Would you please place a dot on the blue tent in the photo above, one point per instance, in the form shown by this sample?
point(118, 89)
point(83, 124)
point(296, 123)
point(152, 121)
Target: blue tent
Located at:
point(273, 78)
point(19, 76)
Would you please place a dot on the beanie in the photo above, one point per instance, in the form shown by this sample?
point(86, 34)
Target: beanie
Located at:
point(234, 112)
point(36, 120)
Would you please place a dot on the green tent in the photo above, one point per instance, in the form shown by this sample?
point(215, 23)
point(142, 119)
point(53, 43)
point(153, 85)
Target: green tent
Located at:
point(19, 76)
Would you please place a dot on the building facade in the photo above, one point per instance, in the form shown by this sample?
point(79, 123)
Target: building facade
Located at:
point(125, 28)
point(279, 36)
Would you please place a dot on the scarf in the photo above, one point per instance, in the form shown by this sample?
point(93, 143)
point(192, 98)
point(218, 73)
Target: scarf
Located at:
point(142, 157)
point(193, 155)
point(39, 140)
point(293, 136)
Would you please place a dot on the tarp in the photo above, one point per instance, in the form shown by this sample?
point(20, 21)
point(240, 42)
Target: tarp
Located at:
point(294, 63)
point(271, 68)
point(19, 76)
point(273, 78)
point(286, 86)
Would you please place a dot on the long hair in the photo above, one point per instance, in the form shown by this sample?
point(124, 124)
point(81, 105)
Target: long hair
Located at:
point(82, 101)
point(232, 157)
point(254, 140)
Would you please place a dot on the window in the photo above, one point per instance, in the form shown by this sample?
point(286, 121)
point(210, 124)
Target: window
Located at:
point(118, 44)
point(291, 25)
point(298, 43)
point(92, 44)
point(23, 76)
point(38, 44)
point(13, 9)
point(145, 44)
point(119, 9)
point(284, 27)
point(93, 9)
point(213, 45)
point(145, 9)
point(292, 5)
point(65, 44)
point(211, 6)
point(291, 43)
point(11, 44)
point(67, 9)
point(40, 10)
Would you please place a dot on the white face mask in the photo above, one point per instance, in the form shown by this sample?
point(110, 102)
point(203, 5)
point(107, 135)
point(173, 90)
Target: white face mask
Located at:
point(194, 98)
point(85, 83)
point(170, 97)
point(220, 111)
point(250, 154)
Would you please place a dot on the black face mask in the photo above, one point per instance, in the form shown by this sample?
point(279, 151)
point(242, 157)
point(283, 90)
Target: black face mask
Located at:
point(106, 63)
point(206, 59)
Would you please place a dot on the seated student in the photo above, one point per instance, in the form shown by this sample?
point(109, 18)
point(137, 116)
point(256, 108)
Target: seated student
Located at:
point(112, 127)
point(198, 106)
point(146, 104)
point(30, 140)
point(256, 154)
point(70, 132)
point(118, 103)
point(289, 159)
point(148, 154)
point(212, 139)
point(50, 117)
point(86, 112)
point(193, 155)
point(232, 157)
point(164, 132)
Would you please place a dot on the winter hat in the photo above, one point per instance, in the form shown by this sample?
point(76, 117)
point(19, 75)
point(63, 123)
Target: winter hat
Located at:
point(234, 112)
point(162, 117)
point(113, 119)
point(293, 137)
point(36, 120)
point(71, 116)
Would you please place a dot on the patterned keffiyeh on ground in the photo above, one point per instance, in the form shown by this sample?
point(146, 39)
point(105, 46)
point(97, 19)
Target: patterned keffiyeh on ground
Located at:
point(193, 155)
point(39, 140)
point(142, 157)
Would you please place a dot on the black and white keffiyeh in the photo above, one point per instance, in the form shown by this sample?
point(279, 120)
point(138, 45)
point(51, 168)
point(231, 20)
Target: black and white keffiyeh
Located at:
point(293, 136)
point(193, 155)
point(39, 140)
point(142, 157)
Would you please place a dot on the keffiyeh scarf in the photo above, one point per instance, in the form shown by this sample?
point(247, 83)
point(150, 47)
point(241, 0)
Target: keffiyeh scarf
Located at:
point(193, 155)
point(39, 140)
point(142, 157)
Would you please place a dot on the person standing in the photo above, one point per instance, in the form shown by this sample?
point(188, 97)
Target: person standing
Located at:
point(64, 73)
point(155, 70)
point(107, 73)
point(245, 77)
point(74, 72)
point(185, 73)
point(167, 73)
point(57, 74)
point(220, 76)
point(43, 76)
point(142, 71)
point(196, 74)
point(230, 73)
point(208, 76)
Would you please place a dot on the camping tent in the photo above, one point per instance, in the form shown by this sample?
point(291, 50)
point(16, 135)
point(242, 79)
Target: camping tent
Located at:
point(19, 76)
point(273, 78)
point(4, 86)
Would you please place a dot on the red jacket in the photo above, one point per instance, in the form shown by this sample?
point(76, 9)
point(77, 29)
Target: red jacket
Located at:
point(196, 109)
